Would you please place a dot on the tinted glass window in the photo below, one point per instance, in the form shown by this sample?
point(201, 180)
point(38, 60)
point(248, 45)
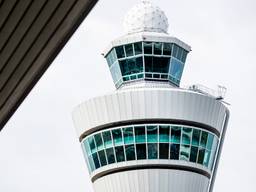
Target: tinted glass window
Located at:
point(186, 135)
point(174, 151)
point(193, 154)
point(117, 136)
point(130, 152)
point(152, 134)
point(156, 64)
point(184, 56)
point(167, 49)
point(164, 133)
point(158, 48)
point(175, 134)
point(128, 135)
point(163, 150)
point(140, 134)
point(138, 48)
point(107, 139)
point(91, 163)
point(129, 50)
point(196, 137)
point(206, 158)
point(103, 160)
point(180, 50)
point(120, 52)
point(147, 48)
point(92, 144)
point(119, 154)
point(110, 155)
point(203, 140)
point(131, 66)
point(87, 147)
point(141, 151)
point(176, 69)
point(152, 151)
point(184, 152)
point(209, 142)
point(96, 160)
point(98, 141)
point(175, 51)
point(200, 158)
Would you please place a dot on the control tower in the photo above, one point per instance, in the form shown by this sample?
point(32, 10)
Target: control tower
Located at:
point(150, 135)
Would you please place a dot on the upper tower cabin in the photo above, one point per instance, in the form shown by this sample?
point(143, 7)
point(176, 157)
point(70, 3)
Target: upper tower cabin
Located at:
point(146, 52)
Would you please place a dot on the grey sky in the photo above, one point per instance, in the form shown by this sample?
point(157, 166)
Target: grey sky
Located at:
point(39, 149)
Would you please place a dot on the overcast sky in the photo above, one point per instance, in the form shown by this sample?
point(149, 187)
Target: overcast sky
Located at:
point(39, 148)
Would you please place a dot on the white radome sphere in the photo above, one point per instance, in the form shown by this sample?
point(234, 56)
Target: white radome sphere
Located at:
point(145, 17)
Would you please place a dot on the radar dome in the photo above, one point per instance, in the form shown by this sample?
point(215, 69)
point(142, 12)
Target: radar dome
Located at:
point(145, 17)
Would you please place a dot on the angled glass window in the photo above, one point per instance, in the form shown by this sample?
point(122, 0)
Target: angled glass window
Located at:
point(167, 49)
point(120, 52)
point(184, 56)
point(115, 72)
point(193, 154)
point(92, 144)
point(119, 153)
point(176, 69)
point(174, 151)
point(128, 135)
point(175, 134)
point(138, 48)
point(152, 135)
point(141, 151)
point(184, 152)
point(117, 137)
point(87, 147)
point(140, 134)
point(130, 152)
point(179, 55)
point(110, 155)
point(196, 137)
point(96, 160)
point(175, 51)
point(186, 135)
point(99, 142)
point(156, 64)
point(102, 156)
point(209, 142)
point(91, 163)
point(206, 158)
point(147, 47)
point(200, 158)
point(152, 151)
point(163, 150)
point(203, 140)
point(164, 133)
point(107, 139)
point(129, 50)
point(157, 48)
point(131, 66)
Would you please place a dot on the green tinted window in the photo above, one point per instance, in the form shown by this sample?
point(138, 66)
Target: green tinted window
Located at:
point(107, 139)
point(209, 142)
point(96, 160)
point(203, 140)
point(167, 49)
point(152, 135)
point(164, 133)
point(92, 144)
point(196, 137)
point(193, 154)
point(141, 151)
point(117, 137)
point(206, 158)
point(131, 66)
point(156, 64)
point(174, 151)
point(128, 135)
point(102, 156)
point(98, 141)
point(129, 50)
point(175, 134)
point(147, 47)
point(119, 154)
point(110, 155)
point(120, 52)
point(200, 158)
point(140, 134)
point(163, 150)
point(157, 48)
point(130, 152)
point(186, 135)
point(152, 151)
point(184, 152)
point(138, 48)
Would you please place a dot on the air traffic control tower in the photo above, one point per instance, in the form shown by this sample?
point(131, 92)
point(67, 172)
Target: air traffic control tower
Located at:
point(150, 135)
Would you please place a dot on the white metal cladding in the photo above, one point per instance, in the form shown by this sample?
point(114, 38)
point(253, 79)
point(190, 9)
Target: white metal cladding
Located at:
point(152, 180)
point(149, 103)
